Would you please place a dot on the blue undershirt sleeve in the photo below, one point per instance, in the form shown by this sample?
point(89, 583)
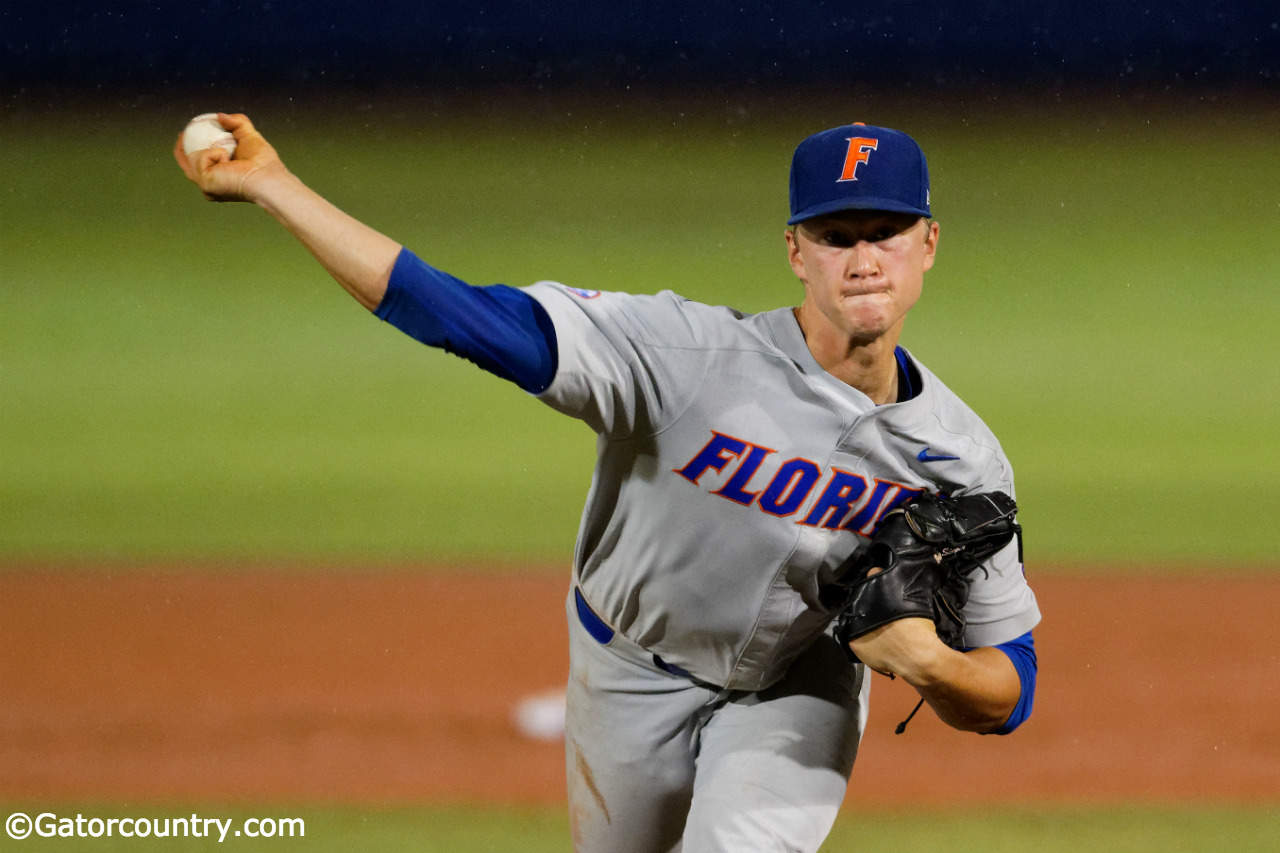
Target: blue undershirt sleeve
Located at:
point(499, 328)
point(1022, 652)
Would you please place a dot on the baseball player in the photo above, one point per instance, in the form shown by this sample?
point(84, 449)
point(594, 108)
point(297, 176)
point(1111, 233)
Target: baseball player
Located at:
point(744, 461)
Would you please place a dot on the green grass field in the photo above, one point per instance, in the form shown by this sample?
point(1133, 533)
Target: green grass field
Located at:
point(1152, 829)
point(180, 380)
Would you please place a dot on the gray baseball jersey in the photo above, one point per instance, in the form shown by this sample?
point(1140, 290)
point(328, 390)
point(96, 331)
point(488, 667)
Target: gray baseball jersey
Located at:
point(734, 475)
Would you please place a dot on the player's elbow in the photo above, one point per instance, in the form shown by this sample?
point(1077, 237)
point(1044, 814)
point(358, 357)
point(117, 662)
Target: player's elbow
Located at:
point(983, 717)
point(1022, 654)
point(1001, 725)
point(991, 695)
point(1020, 713)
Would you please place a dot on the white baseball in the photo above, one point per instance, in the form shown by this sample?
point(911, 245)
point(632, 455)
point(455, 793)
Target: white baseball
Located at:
point(540, 715)
point(203, 132)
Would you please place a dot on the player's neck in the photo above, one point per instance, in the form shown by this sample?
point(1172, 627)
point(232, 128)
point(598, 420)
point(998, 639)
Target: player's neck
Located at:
point(869, 366)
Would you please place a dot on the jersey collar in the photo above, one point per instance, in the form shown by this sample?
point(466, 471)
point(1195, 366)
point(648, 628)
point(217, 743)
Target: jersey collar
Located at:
point(785, 331)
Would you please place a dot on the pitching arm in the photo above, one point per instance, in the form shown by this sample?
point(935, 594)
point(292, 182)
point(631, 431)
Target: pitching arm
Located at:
point(501, 329)
point(357, 256)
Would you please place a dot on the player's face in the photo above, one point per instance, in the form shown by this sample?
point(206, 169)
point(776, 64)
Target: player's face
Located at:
point(862, 270)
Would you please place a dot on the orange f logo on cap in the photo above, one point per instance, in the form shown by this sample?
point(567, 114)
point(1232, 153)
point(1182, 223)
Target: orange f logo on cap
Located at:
point(860, 148)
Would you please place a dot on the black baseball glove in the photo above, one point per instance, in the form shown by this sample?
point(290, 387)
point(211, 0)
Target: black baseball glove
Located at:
point(926, 549)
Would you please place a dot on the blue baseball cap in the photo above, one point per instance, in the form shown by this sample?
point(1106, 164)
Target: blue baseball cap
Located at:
point(858, 167)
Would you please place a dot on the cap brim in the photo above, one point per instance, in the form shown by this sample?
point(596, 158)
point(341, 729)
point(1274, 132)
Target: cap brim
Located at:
point(889, 205)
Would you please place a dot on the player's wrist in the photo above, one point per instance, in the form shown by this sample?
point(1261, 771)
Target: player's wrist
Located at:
point(268, 185)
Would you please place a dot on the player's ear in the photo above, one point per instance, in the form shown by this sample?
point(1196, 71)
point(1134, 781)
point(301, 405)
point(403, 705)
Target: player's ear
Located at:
point(793, 252)
point(930, 242)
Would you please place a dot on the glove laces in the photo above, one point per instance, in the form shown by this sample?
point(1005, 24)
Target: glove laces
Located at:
point(902, 726)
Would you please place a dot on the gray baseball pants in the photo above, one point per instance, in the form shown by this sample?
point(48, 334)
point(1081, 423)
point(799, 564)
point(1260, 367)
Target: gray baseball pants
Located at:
point(659, 762)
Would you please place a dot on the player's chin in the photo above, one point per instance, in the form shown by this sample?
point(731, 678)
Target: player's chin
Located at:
point(864, 326)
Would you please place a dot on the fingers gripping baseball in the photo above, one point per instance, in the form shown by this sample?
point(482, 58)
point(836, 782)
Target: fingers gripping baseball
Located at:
point(228, 177)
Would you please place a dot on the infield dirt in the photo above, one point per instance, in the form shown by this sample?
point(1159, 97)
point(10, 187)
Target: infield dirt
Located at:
point(398, 687)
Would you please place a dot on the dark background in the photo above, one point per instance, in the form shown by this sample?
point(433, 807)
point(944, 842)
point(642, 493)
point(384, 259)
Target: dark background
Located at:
point(659, 45)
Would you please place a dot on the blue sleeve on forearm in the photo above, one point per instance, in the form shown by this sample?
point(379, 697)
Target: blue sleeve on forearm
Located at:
point(501, 329)
point(1022, 652)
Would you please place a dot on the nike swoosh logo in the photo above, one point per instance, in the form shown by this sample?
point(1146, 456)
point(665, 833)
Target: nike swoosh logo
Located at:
point(924, 456)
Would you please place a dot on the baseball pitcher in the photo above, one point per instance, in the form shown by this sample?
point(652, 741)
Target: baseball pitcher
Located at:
point(782, 502)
